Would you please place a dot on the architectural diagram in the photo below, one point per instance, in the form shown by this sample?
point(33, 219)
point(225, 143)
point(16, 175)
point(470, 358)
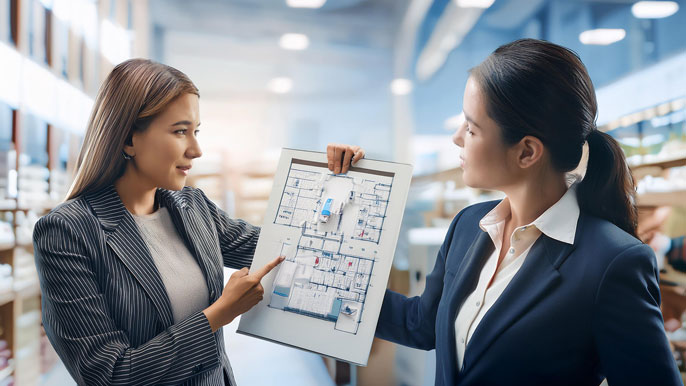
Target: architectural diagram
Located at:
point(338, 234)
point(327, 269)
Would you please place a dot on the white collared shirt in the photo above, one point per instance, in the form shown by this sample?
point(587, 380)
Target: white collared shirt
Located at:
point(557, 222)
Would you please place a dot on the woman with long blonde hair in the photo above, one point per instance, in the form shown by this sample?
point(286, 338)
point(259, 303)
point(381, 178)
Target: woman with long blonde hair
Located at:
point(131, 265)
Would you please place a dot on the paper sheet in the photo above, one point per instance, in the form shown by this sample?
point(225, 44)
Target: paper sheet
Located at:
point(338, 234)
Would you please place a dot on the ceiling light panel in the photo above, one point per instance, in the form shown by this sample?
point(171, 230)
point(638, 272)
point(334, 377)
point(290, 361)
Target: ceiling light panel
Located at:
point(292, 41)
point(305, 3)
point(654, 9)
point(602, 36)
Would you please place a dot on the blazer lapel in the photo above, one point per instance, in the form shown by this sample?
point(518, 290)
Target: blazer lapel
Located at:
point(467, 274)
point(126, 242)
point(537, 276)
point(197, 239)
point(465, 281)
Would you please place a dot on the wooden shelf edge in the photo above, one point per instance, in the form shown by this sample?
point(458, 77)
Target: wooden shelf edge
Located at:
point(673, 276)
point(443, 175)
point(6, 297)
point(7, 246)
point(664, 164)
point(8, 207)
point(671, 198)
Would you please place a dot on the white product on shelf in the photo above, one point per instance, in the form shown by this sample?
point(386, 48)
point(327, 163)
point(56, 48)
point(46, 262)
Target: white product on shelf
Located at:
point(33, 172)
point(25, 224)
point(675, 181)
point(6, 281)
point(28, 319)
point(6, 235)
point(8, 203)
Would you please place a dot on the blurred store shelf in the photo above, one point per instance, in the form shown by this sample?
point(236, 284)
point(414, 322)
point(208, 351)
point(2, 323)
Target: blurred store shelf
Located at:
point(6, 297)
point(673, 198)
point(454, 174)
point(667, 162)
point(673, 277)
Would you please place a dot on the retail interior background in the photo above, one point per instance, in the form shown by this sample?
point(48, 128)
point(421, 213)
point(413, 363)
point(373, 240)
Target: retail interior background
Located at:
point(387, 75)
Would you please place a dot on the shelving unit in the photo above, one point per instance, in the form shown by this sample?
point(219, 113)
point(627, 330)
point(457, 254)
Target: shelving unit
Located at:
point(6, 297)
point(662, 164)
point(52, 65)
point(454, 174)
point(673, 198)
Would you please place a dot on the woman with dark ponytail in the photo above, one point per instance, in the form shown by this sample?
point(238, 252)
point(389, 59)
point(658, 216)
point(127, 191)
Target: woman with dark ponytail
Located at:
point(550, 285)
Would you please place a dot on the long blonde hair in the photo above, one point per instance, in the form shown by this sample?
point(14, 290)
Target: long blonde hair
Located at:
point(133, 94)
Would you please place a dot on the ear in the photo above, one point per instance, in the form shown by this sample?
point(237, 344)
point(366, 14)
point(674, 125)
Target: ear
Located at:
point(530, 150)
point(129, 145)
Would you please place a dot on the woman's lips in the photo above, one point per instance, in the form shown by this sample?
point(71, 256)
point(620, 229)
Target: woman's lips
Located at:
point(184, 169)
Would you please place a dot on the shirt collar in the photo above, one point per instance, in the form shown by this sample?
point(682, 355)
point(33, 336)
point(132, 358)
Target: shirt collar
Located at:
point(557, 222)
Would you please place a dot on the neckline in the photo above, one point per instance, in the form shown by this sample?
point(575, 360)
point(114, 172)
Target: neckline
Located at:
point(151, 216)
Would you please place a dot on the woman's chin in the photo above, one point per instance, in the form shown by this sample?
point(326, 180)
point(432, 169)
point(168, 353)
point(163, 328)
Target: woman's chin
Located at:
point(175, 185)
point(472, 183)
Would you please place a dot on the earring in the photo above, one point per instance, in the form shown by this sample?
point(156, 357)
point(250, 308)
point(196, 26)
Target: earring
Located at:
point(126, 156)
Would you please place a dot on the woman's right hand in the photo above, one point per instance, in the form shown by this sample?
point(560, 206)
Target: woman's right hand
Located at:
point(242, 292)
point(340, 157)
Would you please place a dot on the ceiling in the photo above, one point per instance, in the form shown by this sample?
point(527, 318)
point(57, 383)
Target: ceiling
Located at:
point(230, 47)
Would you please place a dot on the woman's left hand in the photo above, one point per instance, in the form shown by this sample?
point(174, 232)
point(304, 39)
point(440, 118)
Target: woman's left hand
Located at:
point(340, 157)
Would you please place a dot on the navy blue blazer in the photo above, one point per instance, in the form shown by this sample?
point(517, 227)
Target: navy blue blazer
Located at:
point(105, 307)
point(572, 315)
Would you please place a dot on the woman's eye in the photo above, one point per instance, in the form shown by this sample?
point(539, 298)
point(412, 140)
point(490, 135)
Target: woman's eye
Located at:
point(196, 132)
point(182, 131)
point(469, 131)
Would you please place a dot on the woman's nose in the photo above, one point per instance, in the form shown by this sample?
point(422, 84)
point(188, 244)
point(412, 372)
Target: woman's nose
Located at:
point(194, 150)
point(458, 137)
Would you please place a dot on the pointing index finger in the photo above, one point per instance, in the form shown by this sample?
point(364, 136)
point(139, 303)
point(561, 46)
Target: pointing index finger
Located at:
point(260, 273)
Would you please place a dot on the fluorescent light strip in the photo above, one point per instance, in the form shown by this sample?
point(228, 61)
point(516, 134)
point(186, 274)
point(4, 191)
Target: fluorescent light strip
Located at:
point(483, 4)
point(654, 9)
point(602, 36)
point(296, 42)
point(305, 3)
point(401, 86)
point(281, 85)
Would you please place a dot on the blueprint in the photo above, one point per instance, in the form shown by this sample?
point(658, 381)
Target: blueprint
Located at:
point(338, 236)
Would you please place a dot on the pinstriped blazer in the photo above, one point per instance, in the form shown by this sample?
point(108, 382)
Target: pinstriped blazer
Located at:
point(105, 307)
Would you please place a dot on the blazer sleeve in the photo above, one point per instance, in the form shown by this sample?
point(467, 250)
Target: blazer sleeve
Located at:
point(627, 323)
point(412, 321)
point(237, 238)
point(77, 320)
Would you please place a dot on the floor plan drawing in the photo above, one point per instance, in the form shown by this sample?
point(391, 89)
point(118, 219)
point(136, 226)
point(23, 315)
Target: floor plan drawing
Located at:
point(327, 269)
point(338, 234)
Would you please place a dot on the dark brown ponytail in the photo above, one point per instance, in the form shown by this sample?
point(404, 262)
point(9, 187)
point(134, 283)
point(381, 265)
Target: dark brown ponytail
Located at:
point(538, 88)
point(607, 190)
